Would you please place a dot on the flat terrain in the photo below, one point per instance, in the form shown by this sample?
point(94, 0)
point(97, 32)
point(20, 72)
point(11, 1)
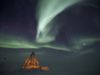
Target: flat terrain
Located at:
point(59, 62)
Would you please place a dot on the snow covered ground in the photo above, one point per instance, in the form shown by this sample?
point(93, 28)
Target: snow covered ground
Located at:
point(59, 62)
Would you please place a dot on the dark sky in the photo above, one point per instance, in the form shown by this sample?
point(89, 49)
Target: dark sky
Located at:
point(18, 18)
point(80, 20)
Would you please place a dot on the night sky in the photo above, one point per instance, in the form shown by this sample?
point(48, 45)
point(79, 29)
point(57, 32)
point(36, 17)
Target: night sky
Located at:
point(80, 22)
point(64, 34)
point(17, 17)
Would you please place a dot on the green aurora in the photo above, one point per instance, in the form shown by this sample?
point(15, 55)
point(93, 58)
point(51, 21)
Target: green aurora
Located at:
point(46, 12)
point(14, 42)
point(76, 44)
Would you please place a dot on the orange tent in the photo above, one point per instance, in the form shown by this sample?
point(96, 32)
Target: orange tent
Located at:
point(32, 63)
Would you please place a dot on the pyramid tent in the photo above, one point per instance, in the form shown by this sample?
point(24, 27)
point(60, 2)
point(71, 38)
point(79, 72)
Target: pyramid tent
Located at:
point(32, 63)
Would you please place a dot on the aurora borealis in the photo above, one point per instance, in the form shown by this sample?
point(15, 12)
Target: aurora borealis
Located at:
point(63, 34)
point(46, 12)
point(15, 42)
point(75, 44)
point(72, 16)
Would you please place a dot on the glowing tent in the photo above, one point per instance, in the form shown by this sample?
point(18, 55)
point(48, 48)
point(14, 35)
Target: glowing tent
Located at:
point(32, 63)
